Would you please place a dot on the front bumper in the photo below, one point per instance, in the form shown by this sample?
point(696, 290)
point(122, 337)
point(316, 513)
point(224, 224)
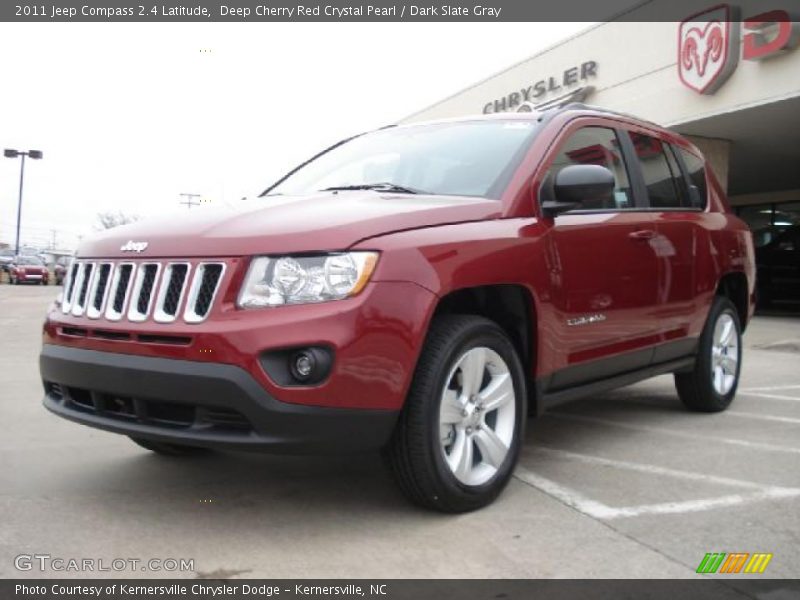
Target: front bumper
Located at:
point(375, 337)
point(197, 403)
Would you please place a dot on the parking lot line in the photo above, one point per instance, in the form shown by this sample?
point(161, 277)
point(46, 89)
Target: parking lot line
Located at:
point(770, 396)
point(750, 415)
point(771, 388)
point(650, 401)
point(564, 494)
point(599, 510)
point(648, 468)
point(681, 434)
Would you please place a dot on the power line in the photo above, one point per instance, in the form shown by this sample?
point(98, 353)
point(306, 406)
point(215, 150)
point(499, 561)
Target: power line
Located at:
point(189, 202)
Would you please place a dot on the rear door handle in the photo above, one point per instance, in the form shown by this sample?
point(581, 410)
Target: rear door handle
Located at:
point(642, 235)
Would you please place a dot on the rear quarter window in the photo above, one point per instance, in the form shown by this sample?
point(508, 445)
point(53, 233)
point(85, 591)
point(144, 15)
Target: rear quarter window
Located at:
point(661, 174)
point(696, 170)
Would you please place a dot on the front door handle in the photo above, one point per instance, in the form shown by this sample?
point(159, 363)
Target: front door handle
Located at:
point(642, 235)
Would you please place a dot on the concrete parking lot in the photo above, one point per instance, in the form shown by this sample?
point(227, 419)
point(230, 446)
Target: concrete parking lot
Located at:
point(624, 485)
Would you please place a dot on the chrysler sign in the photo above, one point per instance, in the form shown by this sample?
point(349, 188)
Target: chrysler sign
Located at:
point(565, 81)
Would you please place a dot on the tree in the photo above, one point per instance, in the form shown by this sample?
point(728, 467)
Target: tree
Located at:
point(111, 219)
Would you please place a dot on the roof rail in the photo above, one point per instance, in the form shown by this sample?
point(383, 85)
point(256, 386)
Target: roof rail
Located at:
point(575, 96)
point(608, 111)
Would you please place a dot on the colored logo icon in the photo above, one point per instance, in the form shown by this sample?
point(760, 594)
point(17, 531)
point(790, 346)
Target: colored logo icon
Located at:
point(734, 562)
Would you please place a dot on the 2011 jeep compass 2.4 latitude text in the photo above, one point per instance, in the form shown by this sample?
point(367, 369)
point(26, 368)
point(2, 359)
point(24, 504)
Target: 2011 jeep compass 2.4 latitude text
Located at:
point(419, 290)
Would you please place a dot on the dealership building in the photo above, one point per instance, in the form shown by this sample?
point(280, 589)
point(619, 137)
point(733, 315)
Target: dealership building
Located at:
point(728, 78)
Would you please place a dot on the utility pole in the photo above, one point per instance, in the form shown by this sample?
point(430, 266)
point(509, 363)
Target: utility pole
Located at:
point(189, 202)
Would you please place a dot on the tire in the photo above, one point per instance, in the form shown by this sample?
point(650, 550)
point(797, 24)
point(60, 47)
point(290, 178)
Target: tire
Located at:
point(711, 386)
point(440, 425)
point(167, 449)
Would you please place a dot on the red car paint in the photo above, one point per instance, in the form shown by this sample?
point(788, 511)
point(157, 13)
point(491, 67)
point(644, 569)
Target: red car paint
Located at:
point(29, 273)
point(571, 265)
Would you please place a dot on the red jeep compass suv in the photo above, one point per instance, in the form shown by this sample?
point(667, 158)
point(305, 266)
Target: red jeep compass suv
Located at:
point(418, 289)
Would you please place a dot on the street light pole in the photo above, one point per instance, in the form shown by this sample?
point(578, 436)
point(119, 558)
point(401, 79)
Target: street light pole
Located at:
point(19, 202)
point(11, 153)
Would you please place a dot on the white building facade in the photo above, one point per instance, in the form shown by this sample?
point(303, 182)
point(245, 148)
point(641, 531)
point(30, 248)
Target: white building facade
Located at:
point(727, 77)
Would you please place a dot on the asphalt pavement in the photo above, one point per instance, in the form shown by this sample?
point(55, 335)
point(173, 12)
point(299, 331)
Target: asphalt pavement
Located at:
point(627, 484)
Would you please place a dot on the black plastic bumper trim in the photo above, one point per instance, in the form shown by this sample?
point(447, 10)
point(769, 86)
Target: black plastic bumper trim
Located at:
point(276, 426)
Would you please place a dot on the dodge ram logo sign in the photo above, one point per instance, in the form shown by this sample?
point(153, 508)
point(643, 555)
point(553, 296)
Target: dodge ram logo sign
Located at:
point(708, 48)
point(132, 246)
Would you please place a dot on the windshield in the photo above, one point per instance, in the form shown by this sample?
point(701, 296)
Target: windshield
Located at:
point(473, 158)
point(29, 260)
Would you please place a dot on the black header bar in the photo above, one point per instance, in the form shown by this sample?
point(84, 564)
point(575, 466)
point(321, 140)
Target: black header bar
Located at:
point(376, 11)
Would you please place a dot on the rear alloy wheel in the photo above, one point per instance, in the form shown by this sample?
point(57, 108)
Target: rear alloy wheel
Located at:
point(711, 385)
point(167, 449)
point(458, 438)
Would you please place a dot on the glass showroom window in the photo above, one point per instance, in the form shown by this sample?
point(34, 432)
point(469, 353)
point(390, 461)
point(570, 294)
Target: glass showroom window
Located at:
point(770, 220)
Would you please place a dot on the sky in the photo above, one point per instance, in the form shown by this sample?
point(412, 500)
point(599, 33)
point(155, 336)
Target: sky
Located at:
point(131, 115)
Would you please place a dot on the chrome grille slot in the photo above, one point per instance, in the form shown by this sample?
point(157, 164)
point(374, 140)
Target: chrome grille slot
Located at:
point(170, 295)
point(119, 291)
point(85, 273)
point(69, 287)
point(97, 294)
point(205, 284)
point(142, 294)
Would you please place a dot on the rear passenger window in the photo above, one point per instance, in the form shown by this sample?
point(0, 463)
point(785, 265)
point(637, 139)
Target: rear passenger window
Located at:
point(661, 174)
point(596, 146)
point(697, 177)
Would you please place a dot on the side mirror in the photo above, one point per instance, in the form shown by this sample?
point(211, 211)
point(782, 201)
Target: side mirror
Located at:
point(577, 184)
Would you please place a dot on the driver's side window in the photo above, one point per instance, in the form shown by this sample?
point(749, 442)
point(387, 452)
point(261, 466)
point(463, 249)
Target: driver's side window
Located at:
point(595, 146)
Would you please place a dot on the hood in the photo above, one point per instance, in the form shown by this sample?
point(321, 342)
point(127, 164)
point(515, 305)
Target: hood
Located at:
point(321, 222)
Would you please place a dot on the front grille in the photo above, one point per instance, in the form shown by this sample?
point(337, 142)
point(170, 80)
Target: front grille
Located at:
point(119, 291)
point(142, 293)
point(137, 291)
point(224, 417)
point(55, 390)
point(85, 272)
point(204, 288)
point(149, 411)
point(172, 296)
point(100, 289)
point(72, 276)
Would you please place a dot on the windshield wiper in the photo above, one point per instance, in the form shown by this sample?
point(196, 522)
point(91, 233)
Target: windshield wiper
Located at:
point(381, 187)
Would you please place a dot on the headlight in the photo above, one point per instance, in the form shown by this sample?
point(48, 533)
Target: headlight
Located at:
point(275, 281)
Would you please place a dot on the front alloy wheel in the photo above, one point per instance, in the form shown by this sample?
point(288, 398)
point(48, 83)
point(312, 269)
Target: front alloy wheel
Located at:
point(459, 435)
point(476, 416)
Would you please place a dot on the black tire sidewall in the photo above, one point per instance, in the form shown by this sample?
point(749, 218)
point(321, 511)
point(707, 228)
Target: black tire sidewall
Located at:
point(488, 335)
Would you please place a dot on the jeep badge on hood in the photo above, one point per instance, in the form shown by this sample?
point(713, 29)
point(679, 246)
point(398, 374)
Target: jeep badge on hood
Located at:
point(132, 246)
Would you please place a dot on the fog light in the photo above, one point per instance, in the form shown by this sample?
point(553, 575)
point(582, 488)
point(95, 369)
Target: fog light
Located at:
point(302, 365)
point(306, 366)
